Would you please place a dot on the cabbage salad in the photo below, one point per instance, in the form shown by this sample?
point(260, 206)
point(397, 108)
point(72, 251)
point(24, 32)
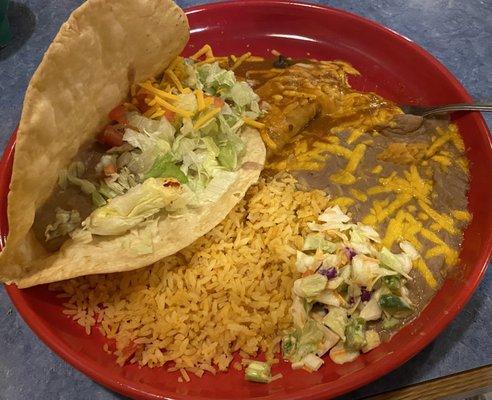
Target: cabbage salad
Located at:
point(351, 289)
point(175, 145)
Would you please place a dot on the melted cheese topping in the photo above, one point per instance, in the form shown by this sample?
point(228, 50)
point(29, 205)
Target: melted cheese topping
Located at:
point(409, 201)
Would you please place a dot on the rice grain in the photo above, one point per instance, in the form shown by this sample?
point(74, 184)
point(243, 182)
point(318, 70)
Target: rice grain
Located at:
point(229, 291)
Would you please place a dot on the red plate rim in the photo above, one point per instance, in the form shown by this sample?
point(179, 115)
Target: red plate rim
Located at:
point(364, 376)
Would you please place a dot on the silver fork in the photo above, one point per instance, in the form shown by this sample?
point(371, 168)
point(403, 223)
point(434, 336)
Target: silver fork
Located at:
point(448, 108)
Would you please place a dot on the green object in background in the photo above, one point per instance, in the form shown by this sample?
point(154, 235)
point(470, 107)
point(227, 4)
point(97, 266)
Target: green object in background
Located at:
point(5, 33)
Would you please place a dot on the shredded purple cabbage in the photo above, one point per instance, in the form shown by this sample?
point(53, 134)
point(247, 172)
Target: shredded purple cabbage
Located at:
point(365, 295)
point(330, 273)
point(350, 253)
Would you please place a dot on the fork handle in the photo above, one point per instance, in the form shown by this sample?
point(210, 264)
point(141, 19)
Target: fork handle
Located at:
point(458, 107)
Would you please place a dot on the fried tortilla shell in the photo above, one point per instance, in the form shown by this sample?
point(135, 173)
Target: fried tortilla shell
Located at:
point(167, 236)
point(103, 48)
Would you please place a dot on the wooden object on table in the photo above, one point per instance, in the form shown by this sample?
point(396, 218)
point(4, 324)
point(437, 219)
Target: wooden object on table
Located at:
point(457, 386)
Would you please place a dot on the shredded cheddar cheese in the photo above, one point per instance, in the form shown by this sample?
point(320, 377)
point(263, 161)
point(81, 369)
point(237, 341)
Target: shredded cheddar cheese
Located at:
point(151, 111)
point(461, 215)
point(445, 161)
point(170, 107)
point(268, 141)
point(444, 221)
point(438, 143)
point(159, 93)
point(333, 148)
point(175, 80)
point(205, 118)
point(158, 113)
point(346, 176)
point(205, 50)
point(356, 157)
point(255, 59)
point(395, 205)
point(343, 202)
point(403, 202)
point(426, 273)
point(253, 123)
point(394, 231)
point(343, 178)
point(377, 169)
point(355, 135)
point(240, 60)
point(358, 195)
point(199, 99)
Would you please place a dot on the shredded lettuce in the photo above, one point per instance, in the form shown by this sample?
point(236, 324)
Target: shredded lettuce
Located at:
point(258, 371)
point(141, 241)
point(72, 176)
point(371, 311)
point(191, 79)
point(187, 101)
point(360, 242)
point(400, 263)
point(317, 241)
point(310, 286)
point(289, 343)
point(356, 279)
point(329, 298)
point(312, 362)
point(299, 310)
point(242, 94)
point(228, 156)
point(81, 235)
point(369, 232)
point(372, 340)
point(163, 167)
point(394, 305)
point(214, 78)
point(118, 183)
point(216, 188)
point(127, 211)
point(409, 250)
point(366, 271)
point(340, 355)
point(336, 320)
point(355, 337)
point(203, 158)
point(65, 223)
point(310, 339)
point(159, 129)
point(304, 262)
point(333, 218)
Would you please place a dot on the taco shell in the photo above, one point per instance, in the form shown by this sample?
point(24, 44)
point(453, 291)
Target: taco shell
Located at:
point(103, 48)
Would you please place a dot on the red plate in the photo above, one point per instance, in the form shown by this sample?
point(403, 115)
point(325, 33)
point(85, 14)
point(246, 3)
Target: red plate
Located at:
point(391, 65)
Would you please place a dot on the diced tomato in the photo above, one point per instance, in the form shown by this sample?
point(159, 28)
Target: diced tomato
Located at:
point(109, 169)
point(171, 183)
point(218, 102)
point(141, 104)
point(118, 114)
point(170, 115)
point(111, 136)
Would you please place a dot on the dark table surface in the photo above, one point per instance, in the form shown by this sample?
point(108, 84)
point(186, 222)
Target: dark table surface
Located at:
point(457, 32)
